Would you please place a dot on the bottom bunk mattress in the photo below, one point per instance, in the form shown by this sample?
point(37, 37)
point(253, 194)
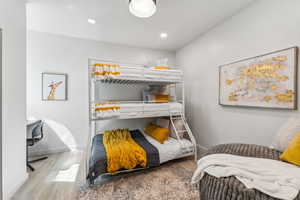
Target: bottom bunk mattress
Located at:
point(156, 153)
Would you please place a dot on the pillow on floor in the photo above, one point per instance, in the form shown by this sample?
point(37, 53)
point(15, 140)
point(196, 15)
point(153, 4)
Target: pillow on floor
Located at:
point(292, 153)
point(286, 134)
point(157, 133)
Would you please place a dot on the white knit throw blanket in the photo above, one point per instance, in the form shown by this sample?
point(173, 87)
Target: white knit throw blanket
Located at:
point(274, 178)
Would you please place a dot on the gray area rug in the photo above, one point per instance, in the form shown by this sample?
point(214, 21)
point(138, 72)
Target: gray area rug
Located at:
point(170, 181)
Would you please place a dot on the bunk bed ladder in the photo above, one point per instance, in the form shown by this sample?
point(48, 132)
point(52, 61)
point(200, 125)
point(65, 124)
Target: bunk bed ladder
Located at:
point(187, 130)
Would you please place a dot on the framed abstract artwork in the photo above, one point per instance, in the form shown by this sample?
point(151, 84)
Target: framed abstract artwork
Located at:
point(54, 87)
point(267, 81)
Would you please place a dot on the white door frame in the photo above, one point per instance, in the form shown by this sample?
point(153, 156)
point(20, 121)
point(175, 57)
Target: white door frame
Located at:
point(1, 144)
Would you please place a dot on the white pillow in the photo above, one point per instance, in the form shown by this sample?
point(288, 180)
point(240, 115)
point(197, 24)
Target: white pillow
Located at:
point(179, 125)
point(286, 134)
point(163, 123)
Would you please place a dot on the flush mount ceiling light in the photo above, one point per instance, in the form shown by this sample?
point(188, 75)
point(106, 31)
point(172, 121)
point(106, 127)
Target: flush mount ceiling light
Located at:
point(163, 35)
point(142, 8)
point(91, 21)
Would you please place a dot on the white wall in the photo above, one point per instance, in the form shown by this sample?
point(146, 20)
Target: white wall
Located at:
point(68, 120)
point(265, 26)
point(13, 24)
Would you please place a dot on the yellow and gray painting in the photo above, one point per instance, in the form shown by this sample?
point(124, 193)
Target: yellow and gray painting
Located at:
point(266, 81)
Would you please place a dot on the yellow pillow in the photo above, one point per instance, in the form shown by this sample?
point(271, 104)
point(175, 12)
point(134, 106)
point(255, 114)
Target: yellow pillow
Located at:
point(160, 98)
point(157, 133)
point(161, 67)
point(150, 128)
point(292, 153)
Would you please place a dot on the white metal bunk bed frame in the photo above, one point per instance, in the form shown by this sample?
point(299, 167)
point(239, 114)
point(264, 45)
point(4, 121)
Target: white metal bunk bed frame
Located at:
point(142, 113)
point(92, 120)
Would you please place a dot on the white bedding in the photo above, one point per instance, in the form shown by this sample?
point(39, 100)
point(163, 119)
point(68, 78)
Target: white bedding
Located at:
point(171, 149)
point(126, 72)
point(139, 109)
point(276, 178)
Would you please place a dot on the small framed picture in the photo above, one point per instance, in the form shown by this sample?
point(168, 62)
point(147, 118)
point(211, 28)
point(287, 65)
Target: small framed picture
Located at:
point(54, 87)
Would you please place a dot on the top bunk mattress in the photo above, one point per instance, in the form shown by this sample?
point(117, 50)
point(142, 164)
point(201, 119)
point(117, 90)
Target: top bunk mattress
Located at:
point(122, 72)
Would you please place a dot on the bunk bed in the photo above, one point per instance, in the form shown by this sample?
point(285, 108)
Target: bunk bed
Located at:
point(161, 153)
point(122, 72)
point(134, 109)
point(111, 72)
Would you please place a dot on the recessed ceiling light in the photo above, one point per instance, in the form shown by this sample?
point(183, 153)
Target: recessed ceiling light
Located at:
point(91, 21)
point(142, 8)
point(70, 6)
point(163, 35)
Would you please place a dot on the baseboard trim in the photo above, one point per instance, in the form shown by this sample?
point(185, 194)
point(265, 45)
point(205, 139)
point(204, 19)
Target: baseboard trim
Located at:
point(201, 148)
point(11, 193)
point(42, 152)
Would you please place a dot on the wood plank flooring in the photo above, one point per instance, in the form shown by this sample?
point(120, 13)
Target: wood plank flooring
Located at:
point(57, 178)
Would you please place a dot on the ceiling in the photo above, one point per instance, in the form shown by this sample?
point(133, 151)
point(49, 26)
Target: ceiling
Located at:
point(183, 20)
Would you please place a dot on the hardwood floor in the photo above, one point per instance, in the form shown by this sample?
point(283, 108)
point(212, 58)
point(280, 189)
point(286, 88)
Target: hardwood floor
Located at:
point(57, 178)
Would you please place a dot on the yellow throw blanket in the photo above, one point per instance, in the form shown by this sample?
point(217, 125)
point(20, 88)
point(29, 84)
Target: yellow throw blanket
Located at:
point(122, 151)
